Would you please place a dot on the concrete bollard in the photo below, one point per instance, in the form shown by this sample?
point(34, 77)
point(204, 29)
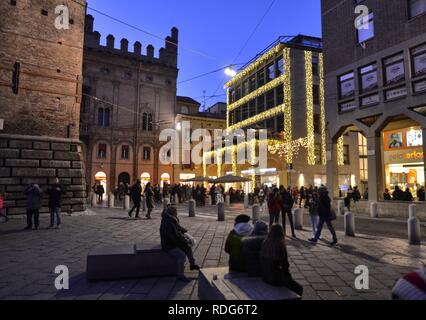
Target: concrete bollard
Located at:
point(255, 213)
point(340, 207)
point(111, 200)
point(246, 201)
point(227, 199)
point(414, 233)
point(126, 203)
point(221, 211)
point(349, 224)
point(94, 200)
point(143, 204)
point(374, 210)
point(209, 200)
point(412, 211)
point(298, 218)
point(191, 208)
point(166, 202)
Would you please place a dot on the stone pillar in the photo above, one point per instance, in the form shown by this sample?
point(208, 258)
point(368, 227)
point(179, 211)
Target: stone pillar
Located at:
point(374, 210)
point(332, 169)
point(246, 201)
point(349, 224)
point(375, 183)
point(340, 207)
point(126, 203)
point(191, 208)
point(227, 199)
point(94, 200)
point(298, 218)
point(111, 200)
point(221, 211)
point(255, 212)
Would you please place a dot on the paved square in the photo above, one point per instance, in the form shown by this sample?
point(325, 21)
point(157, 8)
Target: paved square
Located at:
point(28, 259)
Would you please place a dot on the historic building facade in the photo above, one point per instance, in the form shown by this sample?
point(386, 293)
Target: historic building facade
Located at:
point(129, 97)
point(375, 83)
point(281, 90)
point(40, 94)
point(187, 111)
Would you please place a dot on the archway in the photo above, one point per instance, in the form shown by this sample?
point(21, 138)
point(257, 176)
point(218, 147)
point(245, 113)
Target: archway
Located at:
point(101, 179)
point(124, 178)
point(145, 178)
point(165, 178)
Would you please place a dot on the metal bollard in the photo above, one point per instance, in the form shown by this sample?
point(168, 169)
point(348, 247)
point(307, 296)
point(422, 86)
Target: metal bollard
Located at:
point(166, 202)
point(126, 203)
point(374, 210)
point(111, 201)
point(256, 213)
point(298, 218)
point(349, 224)
point(94, 200)
point(414, 233)
point(191, 208)
point(221, 211)
point(340, 207)
point(412, 211)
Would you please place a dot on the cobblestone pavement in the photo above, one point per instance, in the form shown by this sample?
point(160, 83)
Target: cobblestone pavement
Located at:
point(28, 259)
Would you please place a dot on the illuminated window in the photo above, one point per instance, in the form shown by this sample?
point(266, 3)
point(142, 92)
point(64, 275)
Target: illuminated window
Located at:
point(363, 157)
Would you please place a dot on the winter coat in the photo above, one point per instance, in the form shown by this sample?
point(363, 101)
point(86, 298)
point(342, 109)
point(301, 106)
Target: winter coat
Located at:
point(149, 198)
point(55, 194)
point(34, 195)
point(274, 203)
point(324, 206)
point(251, 254)
point(287, 200)
point(274, 271)
point(172, 234)
point(136, 193)
point(234, 246)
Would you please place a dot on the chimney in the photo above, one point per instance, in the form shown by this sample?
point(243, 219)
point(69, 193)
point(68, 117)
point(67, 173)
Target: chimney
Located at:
point(124, 45)
point(137, 48)
point(110, 42)
point(150, 51)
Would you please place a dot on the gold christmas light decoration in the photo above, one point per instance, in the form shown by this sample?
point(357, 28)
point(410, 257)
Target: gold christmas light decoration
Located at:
point(257, 118)
point(234, 160)
point(287, 107)
point(255, 65)
point(309, 82)
point(281, 148)
point(340, 152)
point(322, 115)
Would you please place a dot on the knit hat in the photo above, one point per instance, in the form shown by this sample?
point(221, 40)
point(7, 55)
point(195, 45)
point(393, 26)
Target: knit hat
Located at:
point(260, 228)
point(243, 229)
point(242, 219)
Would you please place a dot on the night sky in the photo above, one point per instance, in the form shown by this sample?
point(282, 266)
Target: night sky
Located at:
point(211, 32)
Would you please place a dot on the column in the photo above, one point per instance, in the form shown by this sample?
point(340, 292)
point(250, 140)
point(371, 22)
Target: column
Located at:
point(375, 177)
point(332, 169)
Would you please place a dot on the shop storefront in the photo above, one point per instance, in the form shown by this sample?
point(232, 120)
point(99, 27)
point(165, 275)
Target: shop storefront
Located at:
point(403, 158)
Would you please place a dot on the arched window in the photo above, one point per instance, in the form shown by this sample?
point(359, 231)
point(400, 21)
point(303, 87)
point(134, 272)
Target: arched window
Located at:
point(103, 117)
point(147, 122)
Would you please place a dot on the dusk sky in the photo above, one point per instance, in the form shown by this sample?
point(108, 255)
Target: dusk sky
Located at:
point(211, 32)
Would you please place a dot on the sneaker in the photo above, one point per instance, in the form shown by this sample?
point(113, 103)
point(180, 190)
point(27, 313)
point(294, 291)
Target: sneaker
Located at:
point(334, 242)
point(130, 214)
point(313, 240)
point(294, 236)
point(194, 267)
point(183, 279)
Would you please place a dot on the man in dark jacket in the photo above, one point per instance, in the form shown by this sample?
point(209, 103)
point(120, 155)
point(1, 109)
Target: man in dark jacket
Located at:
point(252, 246)
point(34, 195)
point(173, 241)
point(55, 192)
point(287, 206)
point(136, 195)
point(398, 194)
point(149, 198)
point(325, 216)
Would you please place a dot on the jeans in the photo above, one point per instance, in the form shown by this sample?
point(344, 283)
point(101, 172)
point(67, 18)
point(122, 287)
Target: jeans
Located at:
point(180, 257)
point(55, 212)
point(30, 214)
point(330, 227)
point(290, 219)
point(314, 222)
point(273, 218)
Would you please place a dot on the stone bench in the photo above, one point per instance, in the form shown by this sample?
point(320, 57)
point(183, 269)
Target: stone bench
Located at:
point(142, 260)
point(238, 286)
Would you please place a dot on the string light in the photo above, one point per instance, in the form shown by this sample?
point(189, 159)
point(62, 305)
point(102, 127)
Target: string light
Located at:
point(281, 148)
point(322, 115)
point(287, 108)
point(340, 152)
point(234, 160)
point(309, 82)
point(260, 117)
point(255, 65)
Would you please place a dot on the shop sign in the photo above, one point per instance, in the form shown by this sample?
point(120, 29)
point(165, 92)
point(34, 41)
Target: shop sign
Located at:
point(403, 156)
point(396, 93)
point(420, 86)
point(370, 100)
point(347, 106)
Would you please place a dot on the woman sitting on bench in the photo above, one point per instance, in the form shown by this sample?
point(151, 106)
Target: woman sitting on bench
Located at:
point(274, 261)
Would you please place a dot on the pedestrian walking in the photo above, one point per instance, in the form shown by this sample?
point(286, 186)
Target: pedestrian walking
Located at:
point(287, 203)
point(100, 192)
point(275, 268)
point(274, 205)
point(136, 196)
point(313, 204)
point(55, 192)
point(326, 215)
point(149, 198)
point(34, 195)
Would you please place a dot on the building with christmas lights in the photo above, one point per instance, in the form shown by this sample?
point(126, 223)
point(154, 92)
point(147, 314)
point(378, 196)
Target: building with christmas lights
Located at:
point(282, 90)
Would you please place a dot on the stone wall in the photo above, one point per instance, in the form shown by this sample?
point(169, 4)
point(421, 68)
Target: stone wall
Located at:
point(29, 159)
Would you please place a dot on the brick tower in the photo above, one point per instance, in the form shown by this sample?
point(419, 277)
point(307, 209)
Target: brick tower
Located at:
point(41, 61)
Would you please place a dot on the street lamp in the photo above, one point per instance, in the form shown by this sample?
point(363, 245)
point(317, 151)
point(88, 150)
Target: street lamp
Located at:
point(230, 72)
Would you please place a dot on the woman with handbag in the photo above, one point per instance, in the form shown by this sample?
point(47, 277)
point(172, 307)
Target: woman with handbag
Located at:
point(326, 215)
